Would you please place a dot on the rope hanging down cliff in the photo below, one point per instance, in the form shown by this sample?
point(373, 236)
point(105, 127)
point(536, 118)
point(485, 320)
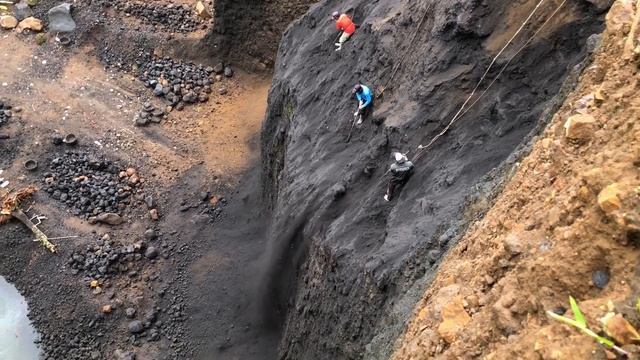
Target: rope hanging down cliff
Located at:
point(422, 149)
point(457, 116)
point(513, 57)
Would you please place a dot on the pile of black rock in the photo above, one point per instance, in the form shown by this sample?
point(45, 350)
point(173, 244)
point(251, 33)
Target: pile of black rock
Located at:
point(5, 112)
point(149, 114)
point(181, 83)
point(107, 258)
point(173, 17)
point(88, 186)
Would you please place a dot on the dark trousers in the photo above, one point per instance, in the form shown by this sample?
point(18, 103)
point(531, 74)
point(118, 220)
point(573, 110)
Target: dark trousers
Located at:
point(394, 184)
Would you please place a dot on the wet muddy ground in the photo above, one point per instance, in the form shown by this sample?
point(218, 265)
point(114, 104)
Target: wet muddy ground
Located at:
point(190, 166)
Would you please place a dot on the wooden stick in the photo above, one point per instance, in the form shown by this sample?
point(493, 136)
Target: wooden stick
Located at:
point(40, 236)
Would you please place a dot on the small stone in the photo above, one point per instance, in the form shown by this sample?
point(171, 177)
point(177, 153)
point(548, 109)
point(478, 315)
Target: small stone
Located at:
point(454, 319)
point(150, 234)
point(8, 22)
point(22, 10)
point(222, 91)
point(513, 244)
point(106, 309)
point(131, 171)
point(219, 68)
point(136, 327)
point(580, 127)
point(153, 213)
point(202, 11)
point(228, 72)
point(600, 278)
point(141, 121)
point(134, 179)
point(151, 253)
point(433, 256)
point(94, 284)
point(599, 96)
point(609, 200)
point(213, 201)
point(57, 139)
point(130, 313)
point(29, 23)
point(110, 219)
point(60, 19)
point(338, 190)
point(151, 203)
point(617, 327)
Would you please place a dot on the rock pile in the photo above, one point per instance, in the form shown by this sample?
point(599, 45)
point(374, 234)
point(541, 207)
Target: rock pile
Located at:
point(106, 259)
point(88, 186)
point(5, 112)
point(178, 18)
point(149, 113)
point(178, 82)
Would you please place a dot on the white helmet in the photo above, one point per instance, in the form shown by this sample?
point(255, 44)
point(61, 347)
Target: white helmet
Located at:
point(400, 158)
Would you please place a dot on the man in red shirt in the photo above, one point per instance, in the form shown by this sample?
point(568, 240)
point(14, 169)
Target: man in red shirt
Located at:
point(346, 25)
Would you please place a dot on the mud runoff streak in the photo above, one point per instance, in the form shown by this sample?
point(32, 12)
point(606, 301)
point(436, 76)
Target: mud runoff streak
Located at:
point(224, 317)
point(17, 336)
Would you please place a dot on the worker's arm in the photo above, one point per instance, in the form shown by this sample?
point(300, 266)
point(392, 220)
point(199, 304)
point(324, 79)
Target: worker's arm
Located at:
point(366, 101)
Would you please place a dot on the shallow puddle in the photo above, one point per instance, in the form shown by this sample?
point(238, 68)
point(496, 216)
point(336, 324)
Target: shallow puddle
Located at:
point(17, 336)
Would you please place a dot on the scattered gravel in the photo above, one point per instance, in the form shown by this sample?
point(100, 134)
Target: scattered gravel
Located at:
point(178, 82)
point(172, 17)
point(89, 186)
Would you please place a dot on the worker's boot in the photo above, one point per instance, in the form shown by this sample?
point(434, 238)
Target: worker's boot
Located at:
point(386, 197)
point(338, 46)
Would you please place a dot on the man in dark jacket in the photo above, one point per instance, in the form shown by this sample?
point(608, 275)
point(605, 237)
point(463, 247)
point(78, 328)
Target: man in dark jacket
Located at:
point(401, 171)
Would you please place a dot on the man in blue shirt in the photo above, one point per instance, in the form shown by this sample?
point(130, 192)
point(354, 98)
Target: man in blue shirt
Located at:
point(365, 102)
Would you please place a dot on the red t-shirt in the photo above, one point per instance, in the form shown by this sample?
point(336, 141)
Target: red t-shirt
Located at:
point(345, 24)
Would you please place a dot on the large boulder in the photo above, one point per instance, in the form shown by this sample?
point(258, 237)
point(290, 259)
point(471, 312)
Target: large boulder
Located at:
point(60, 19)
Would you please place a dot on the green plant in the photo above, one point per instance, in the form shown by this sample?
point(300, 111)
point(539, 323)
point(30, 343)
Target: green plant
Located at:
point(41, 39)
point(580, 323)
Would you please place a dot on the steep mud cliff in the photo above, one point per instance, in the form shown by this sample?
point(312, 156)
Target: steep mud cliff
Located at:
point(566, 224)
point(346, 268)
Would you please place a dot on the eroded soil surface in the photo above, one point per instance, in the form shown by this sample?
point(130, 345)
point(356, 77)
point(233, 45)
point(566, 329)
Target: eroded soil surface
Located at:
point(567, 224)
point(166, 279)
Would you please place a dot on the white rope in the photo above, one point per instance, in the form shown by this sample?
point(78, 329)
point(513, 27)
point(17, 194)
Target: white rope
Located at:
point(456, 116)
point(513, 57)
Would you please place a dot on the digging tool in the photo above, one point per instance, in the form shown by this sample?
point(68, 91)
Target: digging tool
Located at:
point(353, 124)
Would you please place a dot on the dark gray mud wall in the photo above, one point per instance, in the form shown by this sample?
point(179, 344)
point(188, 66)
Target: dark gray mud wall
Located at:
point(247, 32)
point(343, 260)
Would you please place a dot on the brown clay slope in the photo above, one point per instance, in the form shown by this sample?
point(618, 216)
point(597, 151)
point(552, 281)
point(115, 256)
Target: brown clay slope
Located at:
point(548, 234)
